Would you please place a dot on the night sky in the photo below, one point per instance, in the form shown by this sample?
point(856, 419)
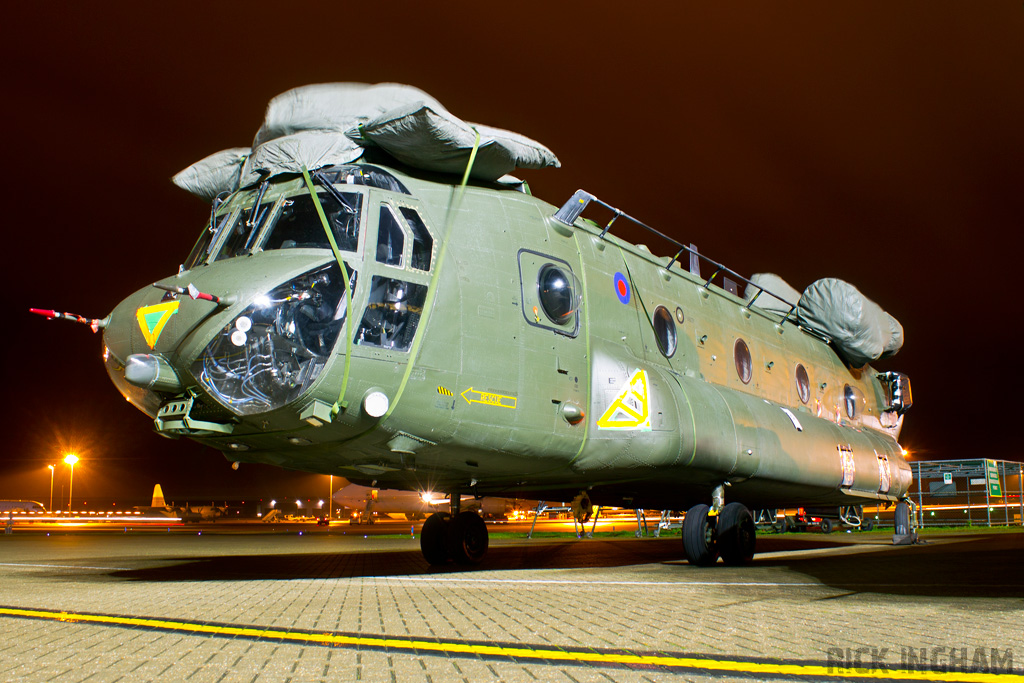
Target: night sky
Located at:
point(879, 143)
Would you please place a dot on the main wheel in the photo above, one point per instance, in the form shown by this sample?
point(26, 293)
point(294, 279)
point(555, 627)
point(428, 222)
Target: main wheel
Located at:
point(467, 538)
point(433, 538)
point(699, 541)
point(737, 534)
point(901, 518)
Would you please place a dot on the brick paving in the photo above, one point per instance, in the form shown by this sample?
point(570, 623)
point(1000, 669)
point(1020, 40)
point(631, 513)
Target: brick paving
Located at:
point(621, 595)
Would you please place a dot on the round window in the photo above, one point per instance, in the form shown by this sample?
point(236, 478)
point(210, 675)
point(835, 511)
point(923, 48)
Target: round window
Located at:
point(803, 384)
point(665, 331)
point(557, 297)
point(744, 366)
point(850, 399)
point(679, 315)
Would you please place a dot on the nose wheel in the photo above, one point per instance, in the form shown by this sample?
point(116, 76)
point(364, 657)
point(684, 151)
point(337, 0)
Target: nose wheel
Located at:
point(730, 534)
point(462, 538)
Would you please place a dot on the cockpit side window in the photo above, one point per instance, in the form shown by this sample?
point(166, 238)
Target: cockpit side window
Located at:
point(298, 224)
point(244, 231)
point(202, 249)
point(392, 314)
point(422, 242)
point(390, 238)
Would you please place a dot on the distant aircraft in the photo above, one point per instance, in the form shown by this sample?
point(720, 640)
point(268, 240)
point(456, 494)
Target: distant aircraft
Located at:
point(158, 506)
point(374, 298)
point(186, 513)
point(366, 501)
point(21, 506)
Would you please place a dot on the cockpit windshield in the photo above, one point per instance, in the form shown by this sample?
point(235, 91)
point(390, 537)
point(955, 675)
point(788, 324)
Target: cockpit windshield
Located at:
point(298, 224)
point(271, 352)
point(202, 249)
point(244, 231)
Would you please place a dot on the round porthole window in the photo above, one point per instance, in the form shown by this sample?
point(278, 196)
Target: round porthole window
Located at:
point(803, 384)
point(680, 318)
point(744, 366)
point(665, 331)
point(850, 399)
point(557, 294)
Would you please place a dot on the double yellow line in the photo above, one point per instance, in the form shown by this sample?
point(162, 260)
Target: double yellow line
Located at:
point(518, 653)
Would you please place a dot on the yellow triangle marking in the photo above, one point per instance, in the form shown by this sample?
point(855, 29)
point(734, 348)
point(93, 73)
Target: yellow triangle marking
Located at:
point(630, 409)
point(153, 319)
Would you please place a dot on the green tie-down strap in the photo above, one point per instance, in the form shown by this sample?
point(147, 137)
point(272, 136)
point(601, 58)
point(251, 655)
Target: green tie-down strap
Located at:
point(428, 304)
point(340, 403)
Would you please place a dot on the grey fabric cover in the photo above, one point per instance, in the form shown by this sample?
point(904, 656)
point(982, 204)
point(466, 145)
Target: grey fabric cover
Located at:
point(776, 285)
point(307, 126)
point(217, 173)
point(861, 330)
point(427, 136)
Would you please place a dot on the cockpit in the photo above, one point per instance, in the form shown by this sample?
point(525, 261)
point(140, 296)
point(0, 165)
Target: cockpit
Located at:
point(273, 349)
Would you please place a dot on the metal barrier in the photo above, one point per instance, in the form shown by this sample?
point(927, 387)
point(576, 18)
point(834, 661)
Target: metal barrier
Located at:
point(977, 492)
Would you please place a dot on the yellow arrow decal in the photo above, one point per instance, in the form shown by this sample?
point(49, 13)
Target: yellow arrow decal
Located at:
point(475, 396)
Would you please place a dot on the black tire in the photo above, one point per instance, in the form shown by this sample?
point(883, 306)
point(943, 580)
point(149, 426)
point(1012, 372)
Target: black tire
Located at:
point(433, 535)
point(467, 538)
point(826, 525)
point(699, 538)
point(867, 525)
point(783, 526)
point(737, 534)
point(901, 519)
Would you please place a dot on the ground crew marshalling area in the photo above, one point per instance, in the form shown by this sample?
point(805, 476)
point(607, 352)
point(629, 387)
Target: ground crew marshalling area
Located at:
point(334, 605)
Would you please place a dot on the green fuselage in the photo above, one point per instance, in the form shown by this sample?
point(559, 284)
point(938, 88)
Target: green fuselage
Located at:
point(485, 390)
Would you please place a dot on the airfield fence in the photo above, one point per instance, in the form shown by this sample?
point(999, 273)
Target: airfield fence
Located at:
point(978, 492)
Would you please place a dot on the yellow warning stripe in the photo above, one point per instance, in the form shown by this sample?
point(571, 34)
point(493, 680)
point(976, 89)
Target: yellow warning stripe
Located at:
point(506, 651)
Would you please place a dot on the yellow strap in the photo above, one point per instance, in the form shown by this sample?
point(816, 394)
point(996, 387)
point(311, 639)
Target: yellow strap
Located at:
point(340, 403)
point(432, 289)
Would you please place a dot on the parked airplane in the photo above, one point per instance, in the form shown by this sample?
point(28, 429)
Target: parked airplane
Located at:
point(186, 513)
point(365, 502)
point(21, 506)
point(374, 298)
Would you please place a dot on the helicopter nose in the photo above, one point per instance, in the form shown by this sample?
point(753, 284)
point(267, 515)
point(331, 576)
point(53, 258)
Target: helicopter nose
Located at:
point(151, 371)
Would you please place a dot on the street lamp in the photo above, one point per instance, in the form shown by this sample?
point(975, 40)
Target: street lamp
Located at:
point(71, 459)
point(50, 509)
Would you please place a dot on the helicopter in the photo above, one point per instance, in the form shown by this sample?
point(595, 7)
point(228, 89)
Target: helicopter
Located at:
point(375, 297)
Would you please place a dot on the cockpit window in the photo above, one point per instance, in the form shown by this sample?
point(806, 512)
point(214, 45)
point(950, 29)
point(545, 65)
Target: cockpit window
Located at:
point(271, 353)
point(298, 224)
point(203, 246)
point(392, 314)
point(370, 176)
point(244, 231)
point(390, 238)
point(422, 242)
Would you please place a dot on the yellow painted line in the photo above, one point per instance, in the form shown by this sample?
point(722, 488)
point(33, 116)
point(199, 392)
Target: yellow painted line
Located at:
point(520, 653)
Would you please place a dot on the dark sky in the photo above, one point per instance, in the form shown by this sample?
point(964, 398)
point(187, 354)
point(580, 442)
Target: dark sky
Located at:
point(879, 143)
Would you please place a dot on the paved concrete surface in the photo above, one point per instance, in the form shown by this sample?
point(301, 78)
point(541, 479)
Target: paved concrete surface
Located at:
point(226, 606)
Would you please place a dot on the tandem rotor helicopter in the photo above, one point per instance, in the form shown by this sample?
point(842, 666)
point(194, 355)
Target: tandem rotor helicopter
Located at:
point(374, 297)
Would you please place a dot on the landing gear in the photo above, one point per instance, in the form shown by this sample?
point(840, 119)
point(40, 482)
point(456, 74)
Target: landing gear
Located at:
point(700, 536)
point(462, 538)
point(467, 538)
point(903, 531)
point(731, 533)
point(432, 538)
point(736, 534)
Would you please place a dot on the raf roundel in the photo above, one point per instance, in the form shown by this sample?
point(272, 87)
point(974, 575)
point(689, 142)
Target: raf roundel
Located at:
point(622, 288)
